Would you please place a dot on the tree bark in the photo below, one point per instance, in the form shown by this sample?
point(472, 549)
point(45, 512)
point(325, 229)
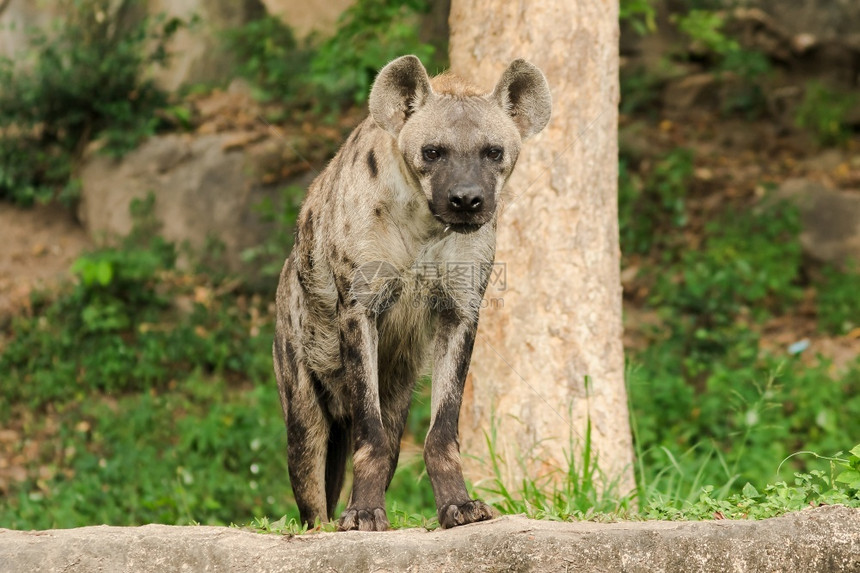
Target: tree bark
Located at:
point(552, 315)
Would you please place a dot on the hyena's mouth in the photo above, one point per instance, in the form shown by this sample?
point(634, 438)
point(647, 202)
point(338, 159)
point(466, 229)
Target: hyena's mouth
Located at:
point(459, 226)
point(459, 222)
point(464, 228)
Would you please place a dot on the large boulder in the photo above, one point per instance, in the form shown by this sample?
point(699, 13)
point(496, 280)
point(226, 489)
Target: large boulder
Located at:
point(822, 540)
point(830, 220)
point(205, 187)
point(307, 17)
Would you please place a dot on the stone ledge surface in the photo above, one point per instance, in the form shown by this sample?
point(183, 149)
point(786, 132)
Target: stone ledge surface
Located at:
point(817, 540)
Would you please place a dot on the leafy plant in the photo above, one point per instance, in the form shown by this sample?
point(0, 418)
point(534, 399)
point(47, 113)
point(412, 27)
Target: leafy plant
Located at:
point(84, 80)
point(823, 111)
point(647, 209)
point(640, 14)
point(750, 262)
point(706, 29)
point(838, 303)
point(271, 57)
point(118, 328)
point(370, 33)
point(335, 71)
point(578, 491)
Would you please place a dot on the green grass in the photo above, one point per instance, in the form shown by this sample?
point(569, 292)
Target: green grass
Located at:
point(143, 393)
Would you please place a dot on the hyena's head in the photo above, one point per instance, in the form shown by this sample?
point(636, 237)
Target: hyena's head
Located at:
point(460, 145)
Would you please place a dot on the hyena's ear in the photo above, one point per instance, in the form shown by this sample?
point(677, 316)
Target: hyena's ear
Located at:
point(399, 90)
point(523, 92)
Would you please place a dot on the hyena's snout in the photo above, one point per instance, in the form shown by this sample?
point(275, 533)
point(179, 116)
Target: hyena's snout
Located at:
point(464, 201)
point(466, 198)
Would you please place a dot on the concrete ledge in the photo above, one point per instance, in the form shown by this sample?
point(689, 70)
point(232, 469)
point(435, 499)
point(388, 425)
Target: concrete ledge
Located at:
point(820, 540)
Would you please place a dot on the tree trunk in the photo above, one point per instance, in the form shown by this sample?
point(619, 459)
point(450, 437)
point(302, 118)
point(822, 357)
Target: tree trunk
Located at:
point(552, 315)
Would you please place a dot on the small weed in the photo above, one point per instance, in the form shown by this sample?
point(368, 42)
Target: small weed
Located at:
point(282, 526)
point(841, 485)
point(578, 491)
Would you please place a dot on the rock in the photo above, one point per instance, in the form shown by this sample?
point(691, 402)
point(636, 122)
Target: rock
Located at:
point(826, 539)
point(830, 219)
point(17, 18)
point(306, 17)
point(823, 20)
point(204, 186)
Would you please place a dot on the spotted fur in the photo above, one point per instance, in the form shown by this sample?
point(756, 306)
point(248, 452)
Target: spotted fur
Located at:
point(411, 196)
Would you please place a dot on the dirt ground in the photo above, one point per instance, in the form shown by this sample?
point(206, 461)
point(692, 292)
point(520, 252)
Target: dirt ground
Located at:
point(38, 247)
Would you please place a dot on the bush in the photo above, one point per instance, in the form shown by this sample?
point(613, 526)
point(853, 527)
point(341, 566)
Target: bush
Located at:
point(336, 71)
point(705, 28)
point(271, 57)
point(132, 322)
point(84, 80)
point(838, 304)
point(649, 208)
point(823, 111)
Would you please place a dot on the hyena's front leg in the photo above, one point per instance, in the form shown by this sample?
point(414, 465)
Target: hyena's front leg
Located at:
point(453, 351)
point(371, 455)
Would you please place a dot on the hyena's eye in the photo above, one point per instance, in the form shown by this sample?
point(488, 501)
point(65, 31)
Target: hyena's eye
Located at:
point(431, 154)
point(494, 153)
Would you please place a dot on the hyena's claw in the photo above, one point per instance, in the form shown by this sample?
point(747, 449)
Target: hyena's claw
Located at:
point(372, 519)
point(469, 512)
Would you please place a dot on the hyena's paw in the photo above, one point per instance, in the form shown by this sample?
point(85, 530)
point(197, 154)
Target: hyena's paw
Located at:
point(371, 519)
point(469, 512)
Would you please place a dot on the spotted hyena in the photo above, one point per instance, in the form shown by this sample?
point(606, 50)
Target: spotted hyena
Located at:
point(375, 284)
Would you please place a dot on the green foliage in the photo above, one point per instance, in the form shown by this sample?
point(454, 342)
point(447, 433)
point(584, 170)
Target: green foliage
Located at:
point(708, 407)
point(578, 491)
point(270, 56)
point(655, 203)
point(748, 266)
point(730, 429)
point(749, 258)
point(83, 80)
point(706, 30)
point(335, 71)
point(640, 14)
point(809, 489)
point(199, 453)
point(370, 34)
point(838, 303)
point(640, 90)
point(823, 111)
point(118, 329)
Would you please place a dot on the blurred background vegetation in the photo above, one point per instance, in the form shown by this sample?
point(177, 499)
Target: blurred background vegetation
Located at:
point(140, 388)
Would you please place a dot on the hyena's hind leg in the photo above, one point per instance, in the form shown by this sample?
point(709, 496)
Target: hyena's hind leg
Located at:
point(308, 432)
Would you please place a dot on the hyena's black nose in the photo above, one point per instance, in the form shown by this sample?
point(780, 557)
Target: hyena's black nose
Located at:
point(466, 197)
